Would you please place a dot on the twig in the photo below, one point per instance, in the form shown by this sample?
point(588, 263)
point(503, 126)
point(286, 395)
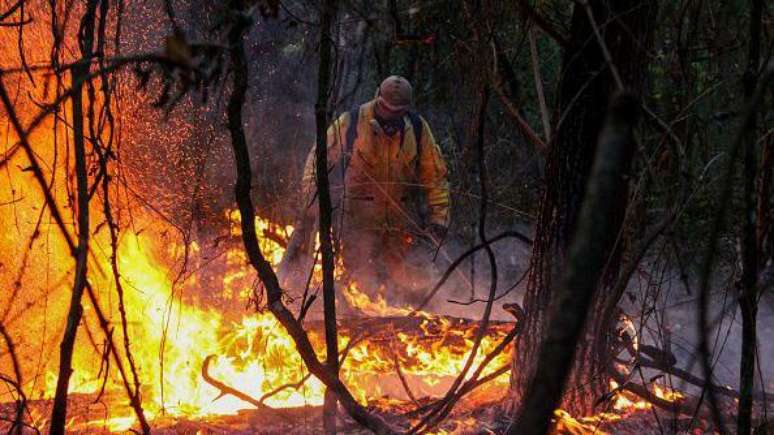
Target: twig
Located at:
point(533, 50)
point(544, 25)
point(60, 224)
point(403, 381)
point(225, 389)
point(462, 257)
point(602, 46)
point(302, 381)
point(445, 405)
point(435, 416)
point(21, 402)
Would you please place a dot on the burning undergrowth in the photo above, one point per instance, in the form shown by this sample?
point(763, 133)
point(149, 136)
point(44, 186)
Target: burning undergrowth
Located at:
point(195, 357)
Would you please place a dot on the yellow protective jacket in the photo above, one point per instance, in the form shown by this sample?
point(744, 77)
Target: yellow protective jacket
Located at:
point(386, 184)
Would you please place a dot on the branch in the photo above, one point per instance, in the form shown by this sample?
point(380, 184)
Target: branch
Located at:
point(513, 111)
point(327, 15)
point(21, 403)
point(75, 311)
point(225, 389)
point(461, 258)
point(444, 406)
point(60, 224)
point(440, 412)
point(545, 26)
point(403, 381)
point(718, 223)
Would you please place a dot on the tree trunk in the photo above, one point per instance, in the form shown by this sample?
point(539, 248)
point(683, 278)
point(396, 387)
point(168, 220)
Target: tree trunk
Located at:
point(324, 201)
point(748, 300)
point(587, 258)
point(585, 89)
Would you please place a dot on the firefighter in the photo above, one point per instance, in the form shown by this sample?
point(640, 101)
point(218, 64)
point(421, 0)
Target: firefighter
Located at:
point(390, 189)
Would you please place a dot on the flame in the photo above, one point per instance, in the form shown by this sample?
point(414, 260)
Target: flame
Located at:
point(370, 307)
point(253, 352)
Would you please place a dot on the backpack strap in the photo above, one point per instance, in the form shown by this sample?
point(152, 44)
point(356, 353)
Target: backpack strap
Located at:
point(417, 126)
point(351, 136)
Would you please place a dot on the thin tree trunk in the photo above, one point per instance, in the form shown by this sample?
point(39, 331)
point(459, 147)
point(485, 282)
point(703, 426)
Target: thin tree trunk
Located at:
point(274, 292)
point(327, 13)
point(748, 300)
point(585, 265)
point(80, 73)
point(535, 57)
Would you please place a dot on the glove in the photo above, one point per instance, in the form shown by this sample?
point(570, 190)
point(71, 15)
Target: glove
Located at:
point(437, 232)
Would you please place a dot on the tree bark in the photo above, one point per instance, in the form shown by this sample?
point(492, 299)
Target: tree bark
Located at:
point(327, 13)
point(585, 88)
point(748, 300)
point(585, 267)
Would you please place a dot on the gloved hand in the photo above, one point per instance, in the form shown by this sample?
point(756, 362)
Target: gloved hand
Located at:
point(437, 232)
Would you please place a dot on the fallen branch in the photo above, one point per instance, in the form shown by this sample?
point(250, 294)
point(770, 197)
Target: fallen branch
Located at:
point(259, 403)
point(661, 360)
point(443, 407)
point(225, 389)
point(679, 406)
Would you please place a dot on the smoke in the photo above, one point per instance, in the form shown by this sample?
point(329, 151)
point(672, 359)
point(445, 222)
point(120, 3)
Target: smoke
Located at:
point(665, 312)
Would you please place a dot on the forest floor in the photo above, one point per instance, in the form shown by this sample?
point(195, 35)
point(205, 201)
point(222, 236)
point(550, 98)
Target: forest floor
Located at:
point(482, 418)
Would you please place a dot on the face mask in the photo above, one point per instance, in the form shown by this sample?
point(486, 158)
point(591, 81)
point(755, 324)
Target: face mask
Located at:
point(390, 126)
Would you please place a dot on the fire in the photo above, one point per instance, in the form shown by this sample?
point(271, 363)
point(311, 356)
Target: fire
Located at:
point(627, 402)
point(370, 307)
point(172, 331)
point(564, 423)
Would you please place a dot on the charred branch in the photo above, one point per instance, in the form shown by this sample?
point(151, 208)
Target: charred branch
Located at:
point(225, 389)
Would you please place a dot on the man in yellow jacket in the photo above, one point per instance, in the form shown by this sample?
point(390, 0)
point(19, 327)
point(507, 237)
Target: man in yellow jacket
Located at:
point(390, 189)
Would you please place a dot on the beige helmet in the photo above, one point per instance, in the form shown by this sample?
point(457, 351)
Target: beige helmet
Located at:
point(395, 93)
